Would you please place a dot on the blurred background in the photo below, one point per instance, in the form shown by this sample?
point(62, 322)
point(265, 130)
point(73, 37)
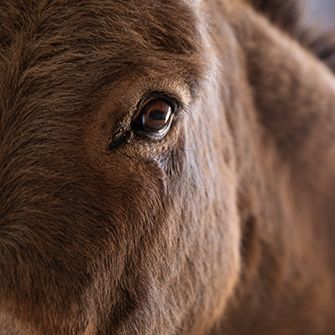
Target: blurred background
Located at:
point(319, 13)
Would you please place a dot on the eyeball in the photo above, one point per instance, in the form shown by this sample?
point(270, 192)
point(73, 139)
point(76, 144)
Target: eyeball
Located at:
point(154, 116)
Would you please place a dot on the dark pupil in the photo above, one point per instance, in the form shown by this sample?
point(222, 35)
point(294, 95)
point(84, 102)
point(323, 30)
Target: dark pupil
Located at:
point(156, 115)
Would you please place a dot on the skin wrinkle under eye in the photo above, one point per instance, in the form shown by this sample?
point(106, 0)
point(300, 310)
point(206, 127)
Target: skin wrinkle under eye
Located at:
point(113, 117)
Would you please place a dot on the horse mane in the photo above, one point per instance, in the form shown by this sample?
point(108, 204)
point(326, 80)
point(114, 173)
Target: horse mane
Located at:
point(288, 16)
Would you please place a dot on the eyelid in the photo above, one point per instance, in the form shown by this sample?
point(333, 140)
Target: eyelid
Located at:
point(123, 133)
point(138, 123)
point(151, 96)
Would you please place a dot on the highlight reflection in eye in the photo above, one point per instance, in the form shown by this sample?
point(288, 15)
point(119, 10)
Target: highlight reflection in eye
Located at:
point(154, 117)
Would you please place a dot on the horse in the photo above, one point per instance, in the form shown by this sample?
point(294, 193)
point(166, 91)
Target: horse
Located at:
point(166, 167)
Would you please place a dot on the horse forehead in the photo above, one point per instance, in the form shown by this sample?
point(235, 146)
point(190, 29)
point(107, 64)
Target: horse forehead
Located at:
point(117, 36)
point(59, 52)
point(92, 21)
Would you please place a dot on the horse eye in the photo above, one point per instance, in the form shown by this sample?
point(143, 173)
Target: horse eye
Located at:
point(154, 117)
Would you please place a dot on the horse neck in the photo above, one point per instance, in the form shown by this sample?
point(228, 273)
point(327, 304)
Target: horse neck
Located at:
point(284, 136)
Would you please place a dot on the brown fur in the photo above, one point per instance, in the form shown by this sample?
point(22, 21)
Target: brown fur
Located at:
point(223, 227)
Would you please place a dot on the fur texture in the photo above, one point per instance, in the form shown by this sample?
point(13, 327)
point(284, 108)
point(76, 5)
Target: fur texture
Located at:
point(223, 227)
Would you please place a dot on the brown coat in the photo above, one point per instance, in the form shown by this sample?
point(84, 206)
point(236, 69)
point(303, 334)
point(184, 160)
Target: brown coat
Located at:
point(224, 226)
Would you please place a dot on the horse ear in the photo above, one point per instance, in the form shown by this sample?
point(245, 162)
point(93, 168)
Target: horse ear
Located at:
point(284, 13)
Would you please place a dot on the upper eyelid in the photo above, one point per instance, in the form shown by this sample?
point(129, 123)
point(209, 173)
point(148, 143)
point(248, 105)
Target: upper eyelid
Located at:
point(169, 97)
